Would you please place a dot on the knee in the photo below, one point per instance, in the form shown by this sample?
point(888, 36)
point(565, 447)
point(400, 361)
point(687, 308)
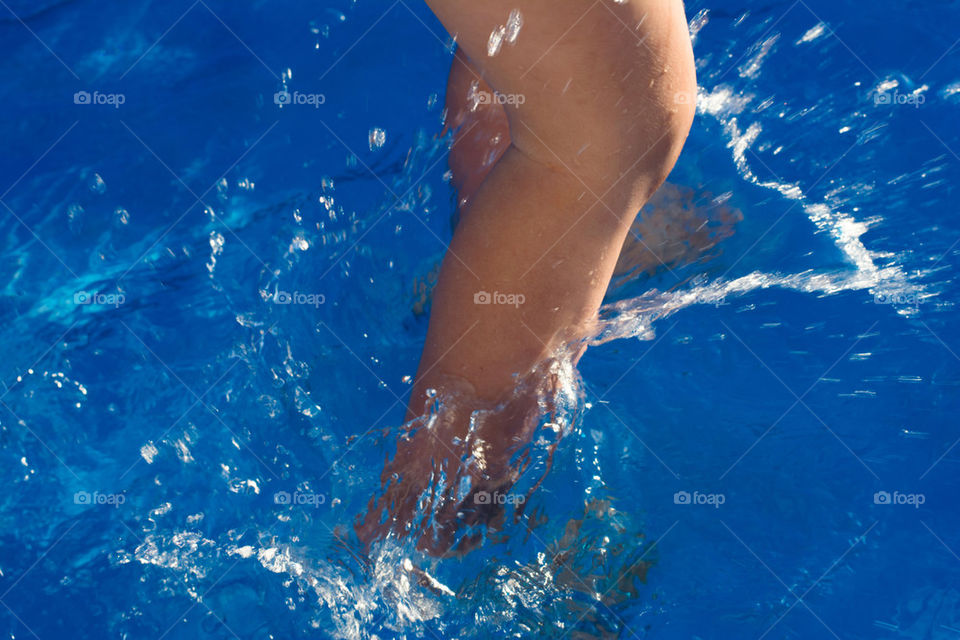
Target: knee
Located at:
point(613, 103)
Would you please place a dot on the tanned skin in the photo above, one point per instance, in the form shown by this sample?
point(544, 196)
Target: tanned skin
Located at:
point(593, 102)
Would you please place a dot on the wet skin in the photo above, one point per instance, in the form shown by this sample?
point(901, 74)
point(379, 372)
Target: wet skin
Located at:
point(549, 187)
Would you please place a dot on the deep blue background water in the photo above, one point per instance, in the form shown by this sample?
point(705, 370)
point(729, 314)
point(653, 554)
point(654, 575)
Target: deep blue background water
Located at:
point(198, 398)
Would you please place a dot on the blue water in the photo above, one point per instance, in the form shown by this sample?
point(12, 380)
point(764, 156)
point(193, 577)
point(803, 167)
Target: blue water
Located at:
point(156, 399)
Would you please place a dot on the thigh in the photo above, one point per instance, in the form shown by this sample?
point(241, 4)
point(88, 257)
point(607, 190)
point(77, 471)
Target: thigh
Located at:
point(592, 81)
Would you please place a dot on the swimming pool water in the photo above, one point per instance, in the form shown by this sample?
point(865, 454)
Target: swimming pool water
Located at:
point(765, 443)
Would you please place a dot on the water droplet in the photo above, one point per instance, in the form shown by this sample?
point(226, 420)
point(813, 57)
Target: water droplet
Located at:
point(149, 452)
point(97, 185)
point(514, 22)
point(496, 41)
point(377, 138)
point(299, 242)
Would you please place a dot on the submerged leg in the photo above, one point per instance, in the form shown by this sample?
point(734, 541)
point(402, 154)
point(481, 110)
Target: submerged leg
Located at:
point(595, 123)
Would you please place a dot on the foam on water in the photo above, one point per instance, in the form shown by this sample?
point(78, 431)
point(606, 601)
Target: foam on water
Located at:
point(637, 316)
